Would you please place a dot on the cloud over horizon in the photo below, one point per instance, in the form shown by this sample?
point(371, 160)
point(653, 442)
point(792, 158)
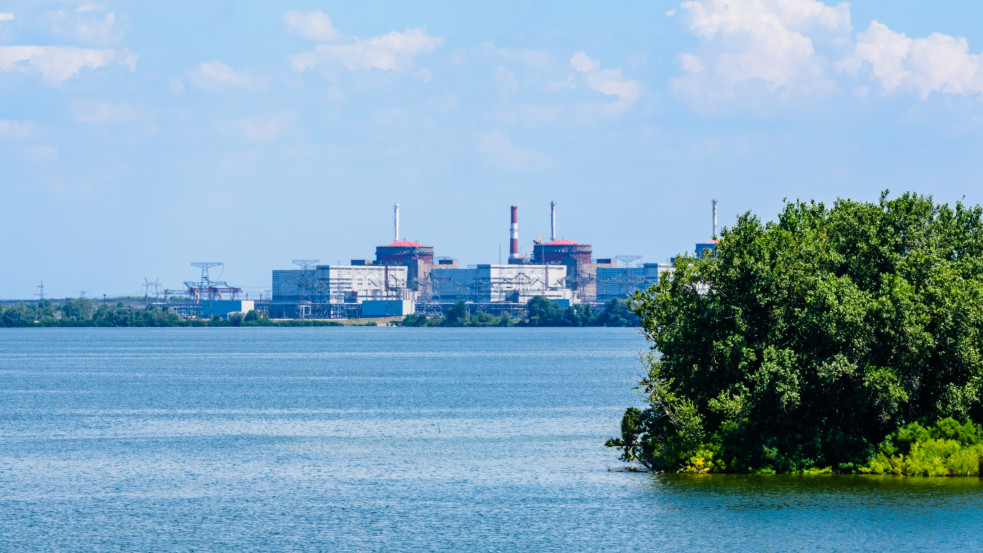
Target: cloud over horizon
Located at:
point(936, 63)
point(609, 82)
point(315, 25)
point(393, 51)
point(757, 43)
point(60, 63)
point(215, 74)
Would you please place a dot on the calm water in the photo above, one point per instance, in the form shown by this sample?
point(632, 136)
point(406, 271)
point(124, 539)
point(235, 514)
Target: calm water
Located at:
point(382, 439)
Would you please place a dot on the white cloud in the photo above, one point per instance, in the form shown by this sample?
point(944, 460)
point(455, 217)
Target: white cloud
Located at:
point(97, 112)
point(496, 148)
point(89, 23)
point(216, 74)
point(315, 25)
point(691, 63)
point(584, 64)
point(17, 130)
point(393, 51)
point(6, 16)
point(60, 63)
point(766, 43)
point(609, 82)
point(937, 63)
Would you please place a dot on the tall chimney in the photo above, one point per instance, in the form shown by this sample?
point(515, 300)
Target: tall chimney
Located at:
point(715, 218)
point(395, 222)
point(552, 221)
point(514, 234)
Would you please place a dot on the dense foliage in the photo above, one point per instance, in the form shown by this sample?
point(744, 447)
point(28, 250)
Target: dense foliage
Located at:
point(540, 311)
point(802, 344)
point(83, 312)
point(947, 448)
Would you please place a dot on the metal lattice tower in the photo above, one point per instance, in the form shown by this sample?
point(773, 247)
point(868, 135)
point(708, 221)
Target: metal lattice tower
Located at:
point(305, 264)
point(628, 260)
point(305, 284)
point(205, 266)
point(629, 280)
point(207, 288)
point(147, 286)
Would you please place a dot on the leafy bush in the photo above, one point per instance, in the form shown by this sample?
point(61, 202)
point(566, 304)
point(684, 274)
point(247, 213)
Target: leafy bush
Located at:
point(801, 344)
point(946, 449)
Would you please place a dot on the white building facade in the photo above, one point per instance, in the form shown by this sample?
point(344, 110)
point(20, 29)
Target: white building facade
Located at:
point(499, 283)
point(337, 284)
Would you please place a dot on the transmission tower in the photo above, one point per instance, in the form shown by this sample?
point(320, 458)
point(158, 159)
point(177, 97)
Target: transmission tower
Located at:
point(207, 288)
point(305, 285)
point(629, 280)
point(628, 260)
point(431, 303)
point(147, 286)
point(305, 264)
point(205, 266)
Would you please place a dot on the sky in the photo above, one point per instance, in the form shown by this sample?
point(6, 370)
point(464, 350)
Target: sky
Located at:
point(138, 137)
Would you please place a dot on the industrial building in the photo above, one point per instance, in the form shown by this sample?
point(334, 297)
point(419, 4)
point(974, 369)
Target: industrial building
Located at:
point(407, 276)
point(331, 291)
point(621, 282)
point(485, 284)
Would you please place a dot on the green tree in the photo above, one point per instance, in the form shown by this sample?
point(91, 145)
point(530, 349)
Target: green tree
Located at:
point(44, 312)
point(540, 311)
point(17, 316)
point(616, 313)
point(804, 342)
point(414, 319)
point(481, 318)
point(457, 315)
point(77, 309)
point(111, 315)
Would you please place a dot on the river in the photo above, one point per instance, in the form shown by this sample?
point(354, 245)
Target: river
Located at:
point(392, 439)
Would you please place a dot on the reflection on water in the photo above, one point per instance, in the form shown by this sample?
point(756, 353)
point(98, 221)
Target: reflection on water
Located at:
point(369, 439)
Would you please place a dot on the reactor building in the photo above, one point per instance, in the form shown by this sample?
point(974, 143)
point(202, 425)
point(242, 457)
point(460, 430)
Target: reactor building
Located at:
point(406, 277)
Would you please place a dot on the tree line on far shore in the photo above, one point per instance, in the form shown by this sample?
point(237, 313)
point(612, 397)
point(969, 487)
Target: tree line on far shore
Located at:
point(540, 311)
point(83, 312)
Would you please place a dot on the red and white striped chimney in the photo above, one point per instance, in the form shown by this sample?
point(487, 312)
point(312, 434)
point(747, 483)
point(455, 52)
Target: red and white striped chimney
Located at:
point(514, 234)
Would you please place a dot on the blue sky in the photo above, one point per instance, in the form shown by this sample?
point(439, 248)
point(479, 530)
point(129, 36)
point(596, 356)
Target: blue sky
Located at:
point(137, 137)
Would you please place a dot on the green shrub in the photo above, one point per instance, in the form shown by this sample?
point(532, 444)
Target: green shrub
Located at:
point(948, 448)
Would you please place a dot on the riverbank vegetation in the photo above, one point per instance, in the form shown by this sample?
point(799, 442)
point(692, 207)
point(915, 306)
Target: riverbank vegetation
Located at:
point(83, 312)
point(539, 312)
point(842, 339)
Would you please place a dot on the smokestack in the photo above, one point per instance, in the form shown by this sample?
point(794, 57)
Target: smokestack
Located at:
point(715, 218)
point(395, 222)
point(514, 234)
point(552, 221)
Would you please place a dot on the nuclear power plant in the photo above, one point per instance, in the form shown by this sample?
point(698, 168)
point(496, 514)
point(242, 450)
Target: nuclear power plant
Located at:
point(407, 277)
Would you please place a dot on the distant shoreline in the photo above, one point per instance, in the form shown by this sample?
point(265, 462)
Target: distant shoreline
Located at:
point(84, 313)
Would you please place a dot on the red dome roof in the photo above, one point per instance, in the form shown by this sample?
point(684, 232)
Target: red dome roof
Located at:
point(561, 243)
point(404, 244)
